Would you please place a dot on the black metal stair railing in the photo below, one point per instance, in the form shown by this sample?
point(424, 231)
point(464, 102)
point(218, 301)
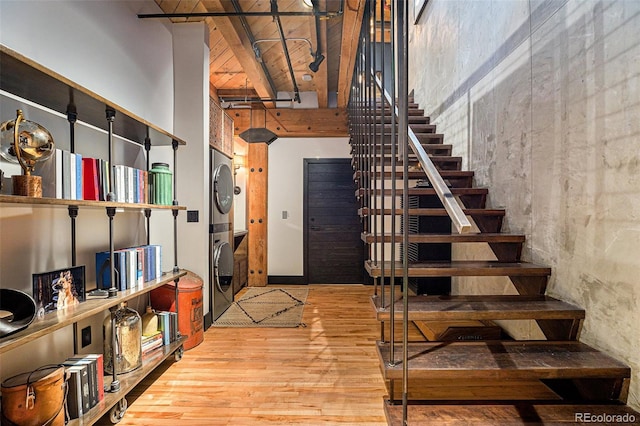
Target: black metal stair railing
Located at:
point(370, 101)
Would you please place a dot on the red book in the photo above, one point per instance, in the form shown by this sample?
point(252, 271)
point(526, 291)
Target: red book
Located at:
point(90, 189)
point(100, 371)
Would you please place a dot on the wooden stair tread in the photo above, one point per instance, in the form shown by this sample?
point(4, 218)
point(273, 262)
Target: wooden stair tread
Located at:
point(416, 127)
point(430, 148)
point(502, 360)
point(413, 118)
point(488, 237)
point(434, 158)
point(420, 174)
point(461, 268)
point(421, 191)
point(422, 137)
point(480, 307)
point(430, 212)
point(510, 413)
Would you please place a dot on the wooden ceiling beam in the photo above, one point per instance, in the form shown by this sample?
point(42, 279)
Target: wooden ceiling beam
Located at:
point(240, 44)
point(351, 24)
point(293, 122)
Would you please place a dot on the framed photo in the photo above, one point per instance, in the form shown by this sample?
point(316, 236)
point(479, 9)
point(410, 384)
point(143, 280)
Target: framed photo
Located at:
point(57, 290)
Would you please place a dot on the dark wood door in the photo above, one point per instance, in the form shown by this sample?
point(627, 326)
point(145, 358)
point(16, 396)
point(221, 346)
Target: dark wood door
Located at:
point(334, 251)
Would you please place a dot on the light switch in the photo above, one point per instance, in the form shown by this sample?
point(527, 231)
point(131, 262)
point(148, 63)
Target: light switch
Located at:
point(285, 214)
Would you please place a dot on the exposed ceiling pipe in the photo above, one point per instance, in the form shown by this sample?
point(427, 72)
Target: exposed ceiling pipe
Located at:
point(327, 15)
point(252, 39)
point(250, 100)
point(318, 57)
point(276, 17)
point(258, 55)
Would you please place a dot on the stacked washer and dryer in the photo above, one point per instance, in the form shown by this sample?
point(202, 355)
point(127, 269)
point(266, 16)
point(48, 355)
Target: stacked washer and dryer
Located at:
point(220, 235)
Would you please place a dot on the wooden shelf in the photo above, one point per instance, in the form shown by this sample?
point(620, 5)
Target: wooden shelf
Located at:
point(56, 320)
point(26, 79)
point(17, 199)
point(127, 382)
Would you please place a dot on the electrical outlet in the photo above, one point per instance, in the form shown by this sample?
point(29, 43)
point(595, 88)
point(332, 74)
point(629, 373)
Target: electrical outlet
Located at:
point(192, 216)
point(86, 336)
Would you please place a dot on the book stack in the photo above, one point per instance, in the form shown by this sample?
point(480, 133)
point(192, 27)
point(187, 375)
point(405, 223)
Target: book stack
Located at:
point(168, 325)
point(133, 266)
point(85, 383)
point(70, 176)
point(131, 184)
point(151, 342)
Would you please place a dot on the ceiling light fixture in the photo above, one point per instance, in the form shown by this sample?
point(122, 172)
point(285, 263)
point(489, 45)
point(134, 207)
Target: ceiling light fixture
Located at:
point(259, 134)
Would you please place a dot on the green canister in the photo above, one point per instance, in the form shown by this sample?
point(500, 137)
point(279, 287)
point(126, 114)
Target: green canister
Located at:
point(161, 184)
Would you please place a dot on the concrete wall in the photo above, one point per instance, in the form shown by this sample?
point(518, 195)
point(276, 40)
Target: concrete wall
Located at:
point(286, 193)
point(91, 44)
point(541, 100)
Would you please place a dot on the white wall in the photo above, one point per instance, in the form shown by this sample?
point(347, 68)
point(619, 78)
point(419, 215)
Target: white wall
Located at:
point(191, 65)
point(104, 47)
point(100, 45)
point(541, 100)
point(286, 193)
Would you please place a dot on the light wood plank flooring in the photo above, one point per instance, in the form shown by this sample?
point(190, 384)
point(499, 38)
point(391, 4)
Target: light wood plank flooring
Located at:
point(325, 373)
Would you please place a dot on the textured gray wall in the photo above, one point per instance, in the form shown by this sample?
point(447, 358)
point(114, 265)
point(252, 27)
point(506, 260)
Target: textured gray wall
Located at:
point(541, 99)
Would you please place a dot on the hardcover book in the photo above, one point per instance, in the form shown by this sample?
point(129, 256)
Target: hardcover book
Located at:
point(74, 392)
point(90, 189)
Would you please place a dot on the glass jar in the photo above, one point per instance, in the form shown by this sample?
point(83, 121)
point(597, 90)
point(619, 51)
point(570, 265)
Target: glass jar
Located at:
point(128, 341)
point(161, 184)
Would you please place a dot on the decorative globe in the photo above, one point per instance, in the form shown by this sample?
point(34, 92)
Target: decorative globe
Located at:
point(34, 142)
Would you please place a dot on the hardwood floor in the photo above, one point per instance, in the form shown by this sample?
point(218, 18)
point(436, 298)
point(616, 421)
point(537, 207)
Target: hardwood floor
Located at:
point(325, 373)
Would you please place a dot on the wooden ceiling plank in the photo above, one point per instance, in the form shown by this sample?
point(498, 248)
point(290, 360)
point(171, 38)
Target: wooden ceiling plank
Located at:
point(238, 41)
point(352, 21)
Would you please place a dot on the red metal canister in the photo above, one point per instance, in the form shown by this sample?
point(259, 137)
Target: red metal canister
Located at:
point(190, 308)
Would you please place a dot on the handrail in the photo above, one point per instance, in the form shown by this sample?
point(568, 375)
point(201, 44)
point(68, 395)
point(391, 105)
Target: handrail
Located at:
point(448, 200)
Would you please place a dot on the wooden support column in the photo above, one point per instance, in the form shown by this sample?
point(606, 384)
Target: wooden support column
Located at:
point(258, 158)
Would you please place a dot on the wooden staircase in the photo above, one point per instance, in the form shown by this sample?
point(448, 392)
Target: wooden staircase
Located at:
point(579, 378)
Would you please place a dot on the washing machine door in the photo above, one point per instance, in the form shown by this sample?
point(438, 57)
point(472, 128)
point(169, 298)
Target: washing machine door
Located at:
point(223, 188)
point(223, 266)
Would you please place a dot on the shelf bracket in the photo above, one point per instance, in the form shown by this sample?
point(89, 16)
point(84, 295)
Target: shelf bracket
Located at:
point(115, 383)
point(147, 214)
point(73, 214)
point(72, 117)
point(174, 144)
point(111, 116)
point(113, 290)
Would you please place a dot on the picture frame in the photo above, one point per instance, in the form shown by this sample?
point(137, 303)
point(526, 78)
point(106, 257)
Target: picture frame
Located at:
point(59, 289)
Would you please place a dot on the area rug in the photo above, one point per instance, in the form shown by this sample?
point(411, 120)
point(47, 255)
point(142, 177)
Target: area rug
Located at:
point(266, 307)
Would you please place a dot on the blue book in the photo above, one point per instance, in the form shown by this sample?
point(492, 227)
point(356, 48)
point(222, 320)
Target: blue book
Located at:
point(103, 270)
point(164, 325)
point(78, 177)
point(149, 264)
point(122, 268)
